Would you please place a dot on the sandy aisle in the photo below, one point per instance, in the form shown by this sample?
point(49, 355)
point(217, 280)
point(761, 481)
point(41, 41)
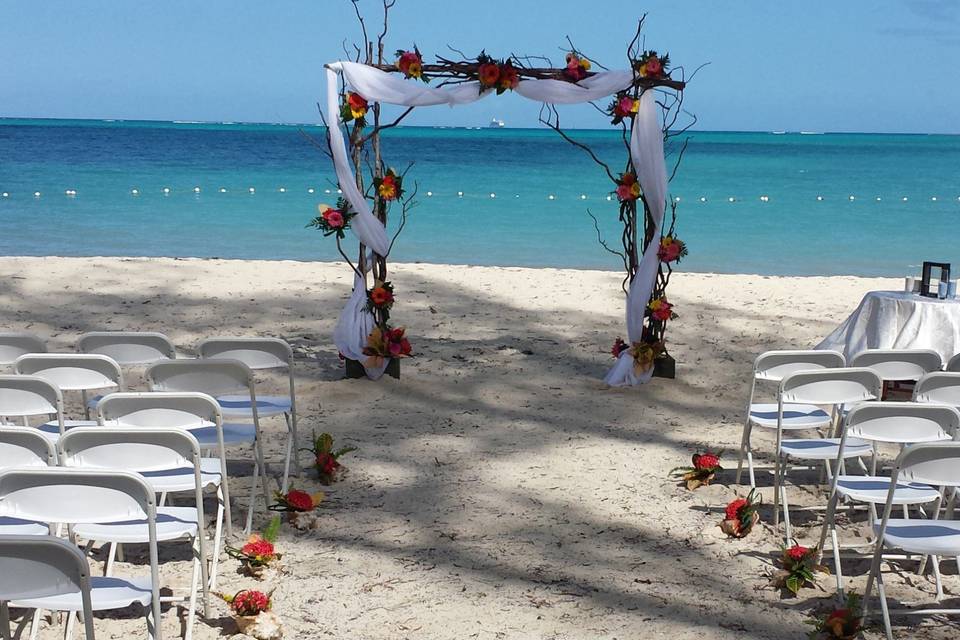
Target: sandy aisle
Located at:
point(499, 490)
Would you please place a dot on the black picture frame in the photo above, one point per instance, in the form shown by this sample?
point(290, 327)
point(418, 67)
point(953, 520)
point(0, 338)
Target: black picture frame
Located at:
point(944, 276)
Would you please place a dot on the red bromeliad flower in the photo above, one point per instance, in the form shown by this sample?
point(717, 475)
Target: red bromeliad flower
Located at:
point(797, 553)
point(250, 603)
point(706, 461)
point(327, 464)
point(300, 500)
point(732, 512)
point(258, 549)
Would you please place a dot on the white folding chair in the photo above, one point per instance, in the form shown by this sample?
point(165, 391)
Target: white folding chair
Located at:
point(21, 448)
point(219, 377)
point(199, 415)
point(15, 344)
point(43, 567)
point(953, 365)
point(258, 354)
point(74, 372)
point(898, 423)
point(941, 387)
point(77, 496)
point(127, 348)
point(771, 367)
point(156, 454)
point(26, 397)
point(937, 465)
point(828, 387)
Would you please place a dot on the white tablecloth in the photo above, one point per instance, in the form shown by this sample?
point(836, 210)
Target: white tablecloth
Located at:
point(898, 320)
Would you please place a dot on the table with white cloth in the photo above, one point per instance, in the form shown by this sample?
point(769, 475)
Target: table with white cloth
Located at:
point(899, 320)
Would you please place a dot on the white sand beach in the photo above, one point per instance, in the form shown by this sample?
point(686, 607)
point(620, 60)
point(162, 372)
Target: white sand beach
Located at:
point(499, 489)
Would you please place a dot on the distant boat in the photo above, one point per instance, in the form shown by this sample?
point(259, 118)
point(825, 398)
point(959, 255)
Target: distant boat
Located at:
point(496, 124)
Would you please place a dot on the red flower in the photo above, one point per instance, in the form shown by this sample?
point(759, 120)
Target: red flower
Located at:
point(381, 296)
point(653, 66)
point(410, 64)
point(619, 346)
point(733, 509)
point(258, 548)
point(334, 218)
point(489, 74)
point(509, 78)
point(327, 464)
point(250, 603)
point(797, 553)
point(388, 187)
point(706, 461)
point(358, 104)
point(299, 500)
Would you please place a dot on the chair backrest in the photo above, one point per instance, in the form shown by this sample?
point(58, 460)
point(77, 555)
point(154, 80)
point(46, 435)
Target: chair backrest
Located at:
point(215, 377)
point(41, 567)
point(13, 345)
point(75, 496)
point(25, 448)
point(140, 450)
point(29, 396)
point(940, 387)
point(831, 386)
point(902, 422)
point(775, 365)
point(933, 463)
point(128, 348)
point(899, 364)
point(954, 364)
point(72, 372)
point(182, 410)
point(256, 353)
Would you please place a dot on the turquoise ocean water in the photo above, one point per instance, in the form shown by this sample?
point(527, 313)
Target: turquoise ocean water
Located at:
point(887, 202)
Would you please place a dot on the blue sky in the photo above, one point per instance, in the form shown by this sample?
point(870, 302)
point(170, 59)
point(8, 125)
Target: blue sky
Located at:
point(858, 65)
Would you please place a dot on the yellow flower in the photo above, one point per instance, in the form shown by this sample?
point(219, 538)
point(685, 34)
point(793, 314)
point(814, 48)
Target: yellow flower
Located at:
point(585, 64)
point(635, 107)
point(635, 189)
point(667, 241)
point(655, 304)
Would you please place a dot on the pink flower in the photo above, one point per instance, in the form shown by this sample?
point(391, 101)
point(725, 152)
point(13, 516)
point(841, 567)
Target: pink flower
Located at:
point(334, 218)
point(624, 192)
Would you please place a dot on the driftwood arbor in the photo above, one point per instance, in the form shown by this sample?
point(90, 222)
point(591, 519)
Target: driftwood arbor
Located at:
point(641, 233)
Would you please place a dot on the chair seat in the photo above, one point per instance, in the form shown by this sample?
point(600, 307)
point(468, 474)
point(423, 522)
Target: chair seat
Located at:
point(874, 489)
point(52, 430)
point(18, 527)
point(172, 523)
point(239, 406)
point(824, 448)
point(795, 416)
point(182, 479)
point(933, 537)
point(233, 433)
point(105, 593)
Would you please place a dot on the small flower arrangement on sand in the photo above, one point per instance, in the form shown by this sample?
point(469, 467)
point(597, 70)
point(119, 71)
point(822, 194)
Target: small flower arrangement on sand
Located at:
point(299, 507)
point(252, 612)
point(259, 552)
point(843, 623)
point(326, 460)
point(703, 471)
point(798, 568)
point(741, 515)
point(386, 343)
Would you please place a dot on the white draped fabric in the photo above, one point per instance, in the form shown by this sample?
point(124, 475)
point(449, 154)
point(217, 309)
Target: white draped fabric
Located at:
point(646, 151)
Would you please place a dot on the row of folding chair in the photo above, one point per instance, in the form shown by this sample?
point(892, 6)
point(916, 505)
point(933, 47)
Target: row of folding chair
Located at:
point(104, 491)
point(817, 391)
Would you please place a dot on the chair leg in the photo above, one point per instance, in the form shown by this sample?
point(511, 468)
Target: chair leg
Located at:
point(744, 449)
point(291, 448)
point(4, 621)
point(936, 577)
point(217, 540)
point(111, 556)
point(68, 628)
point(836, 562)
point(296, 444)
point(776, 491)
point(194, 584)
point(263, 474)
point(35, 624)
point(253, 497)
point(883, 607)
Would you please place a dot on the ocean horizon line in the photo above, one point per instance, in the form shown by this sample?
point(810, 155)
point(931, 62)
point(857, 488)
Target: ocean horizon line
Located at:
point(5, 121)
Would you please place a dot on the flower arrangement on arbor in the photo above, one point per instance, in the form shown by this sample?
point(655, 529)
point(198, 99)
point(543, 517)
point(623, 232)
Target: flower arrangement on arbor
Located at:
point(333, 221)
point(499, 75)
point(644, 353)
point(577, 67)
point(354, 109)
point(259, 551)
point(671, 249)
point(386, 343)
point(843, 623)
point(380, 297)
point(623, 106)
point(741, 515)
point(325, 459)
point(798, 568)
point(410, 64)
point(652, 65)
point(389, 186)
point(628, 189)
point(252, 613)
point(702, 473)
